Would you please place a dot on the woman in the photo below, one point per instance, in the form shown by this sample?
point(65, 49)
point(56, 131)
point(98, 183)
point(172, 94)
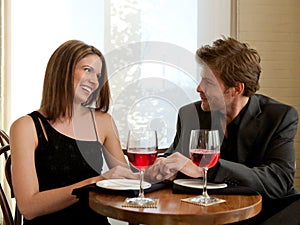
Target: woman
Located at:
point(60, 146)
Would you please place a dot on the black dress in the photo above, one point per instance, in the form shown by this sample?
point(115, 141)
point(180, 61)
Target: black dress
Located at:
point(62, 161)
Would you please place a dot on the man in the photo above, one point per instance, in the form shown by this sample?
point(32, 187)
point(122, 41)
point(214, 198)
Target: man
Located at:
point(258, 132)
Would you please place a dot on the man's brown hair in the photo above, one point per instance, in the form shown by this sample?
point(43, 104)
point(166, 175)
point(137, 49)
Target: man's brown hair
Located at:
point(234, 62)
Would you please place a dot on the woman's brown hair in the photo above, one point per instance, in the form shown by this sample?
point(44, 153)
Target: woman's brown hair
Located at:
point(58, 90)
point(234, 62)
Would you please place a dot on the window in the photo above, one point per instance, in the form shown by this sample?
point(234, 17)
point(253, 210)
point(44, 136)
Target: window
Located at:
point(149, 47)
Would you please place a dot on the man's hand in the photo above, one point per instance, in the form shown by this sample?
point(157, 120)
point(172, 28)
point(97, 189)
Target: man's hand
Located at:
point(167, 168)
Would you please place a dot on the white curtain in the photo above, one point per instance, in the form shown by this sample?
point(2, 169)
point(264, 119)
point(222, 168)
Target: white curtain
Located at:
point(4, 110)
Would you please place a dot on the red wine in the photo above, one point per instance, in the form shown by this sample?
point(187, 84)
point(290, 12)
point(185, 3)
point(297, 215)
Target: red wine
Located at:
point(204, 157)
point(141, 159)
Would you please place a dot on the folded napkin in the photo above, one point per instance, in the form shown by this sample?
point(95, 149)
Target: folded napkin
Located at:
point(82, 192)
point(229, 190)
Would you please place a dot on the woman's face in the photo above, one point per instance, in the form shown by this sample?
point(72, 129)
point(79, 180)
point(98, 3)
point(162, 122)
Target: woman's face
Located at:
point(86, 77)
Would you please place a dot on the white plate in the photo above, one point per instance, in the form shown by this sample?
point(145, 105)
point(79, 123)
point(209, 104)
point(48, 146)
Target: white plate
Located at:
point(198, 183)
point(122, 184)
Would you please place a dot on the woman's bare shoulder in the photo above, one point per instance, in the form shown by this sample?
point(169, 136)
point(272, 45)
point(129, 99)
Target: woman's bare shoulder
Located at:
point(105, 123)
point(23, 122)
point(103, 116)
point(26, 119)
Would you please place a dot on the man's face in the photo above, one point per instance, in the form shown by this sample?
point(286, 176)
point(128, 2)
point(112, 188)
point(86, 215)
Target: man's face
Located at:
point(212, 91)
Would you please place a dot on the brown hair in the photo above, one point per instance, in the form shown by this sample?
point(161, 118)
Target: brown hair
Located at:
point(234, 62)
point(58, 90)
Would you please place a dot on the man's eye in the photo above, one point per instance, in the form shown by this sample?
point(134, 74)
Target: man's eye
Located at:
point(208, 82)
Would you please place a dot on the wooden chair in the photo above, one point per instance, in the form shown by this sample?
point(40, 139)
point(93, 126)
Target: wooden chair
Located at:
point(18, 215)
point(4, 139)
point(6, 210)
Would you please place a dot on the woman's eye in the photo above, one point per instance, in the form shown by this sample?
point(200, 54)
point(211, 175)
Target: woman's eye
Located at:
point(87, 69)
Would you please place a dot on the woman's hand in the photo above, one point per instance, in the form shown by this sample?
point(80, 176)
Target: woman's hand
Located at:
point(120, 172)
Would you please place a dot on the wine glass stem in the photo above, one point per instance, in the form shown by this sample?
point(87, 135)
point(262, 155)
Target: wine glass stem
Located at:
point(141, 192)
point(204, 193)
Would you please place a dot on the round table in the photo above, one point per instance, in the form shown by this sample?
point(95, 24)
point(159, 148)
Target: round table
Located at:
point(172, 211)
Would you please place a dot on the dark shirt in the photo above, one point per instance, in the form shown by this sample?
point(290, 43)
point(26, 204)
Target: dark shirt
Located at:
point(229, 144)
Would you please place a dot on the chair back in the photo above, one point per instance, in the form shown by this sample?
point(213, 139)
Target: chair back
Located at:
point(6, 211)
point(8, 217)
point(4, 139)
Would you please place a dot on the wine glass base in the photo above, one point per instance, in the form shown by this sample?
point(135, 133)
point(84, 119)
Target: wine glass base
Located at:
point(140, 202)
point(203, 200)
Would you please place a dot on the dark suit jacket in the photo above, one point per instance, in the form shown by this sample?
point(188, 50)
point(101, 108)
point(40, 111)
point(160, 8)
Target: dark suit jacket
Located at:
point(265, 145)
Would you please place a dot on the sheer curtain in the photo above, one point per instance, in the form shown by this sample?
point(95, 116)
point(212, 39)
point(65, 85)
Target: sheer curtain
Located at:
point(150, 49)
point(3, 92)
point(150, 54)
point(2, 77)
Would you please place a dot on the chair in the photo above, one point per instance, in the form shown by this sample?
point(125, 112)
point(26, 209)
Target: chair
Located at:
point(6, 210)
point(18, 215)
point(4, 140)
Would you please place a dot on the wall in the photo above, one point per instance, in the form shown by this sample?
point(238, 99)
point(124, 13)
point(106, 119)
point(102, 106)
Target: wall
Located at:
point(272, 27)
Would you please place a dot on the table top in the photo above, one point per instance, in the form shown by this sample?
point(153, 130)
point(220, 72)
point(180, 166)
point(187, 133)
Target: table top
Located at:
point(171, 210)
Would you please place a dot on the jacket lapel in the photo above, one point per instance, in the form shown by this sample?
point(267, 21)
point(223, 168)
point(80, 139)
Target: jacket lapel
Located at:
point(248, 129)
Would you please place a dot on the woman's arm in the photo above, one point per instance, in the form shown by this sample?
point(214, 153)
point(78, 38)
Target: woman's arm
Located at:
point(32, 202)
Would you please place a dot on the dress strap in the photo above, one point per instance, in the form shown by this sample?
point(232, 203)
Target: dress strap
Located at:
point(94, 123)
point(36, 116)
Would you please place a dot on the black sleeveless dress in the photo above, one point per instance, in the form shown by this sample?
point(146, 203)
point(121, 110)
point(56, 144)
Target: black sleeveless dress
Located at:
point(62, 161)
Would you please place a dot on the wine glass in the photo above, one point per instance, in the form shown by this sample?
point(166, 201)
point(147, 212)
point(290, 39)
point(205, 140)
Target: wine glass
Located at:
point(204, 152)
point(141, 153)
